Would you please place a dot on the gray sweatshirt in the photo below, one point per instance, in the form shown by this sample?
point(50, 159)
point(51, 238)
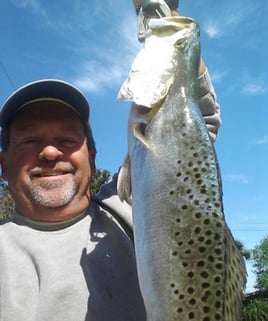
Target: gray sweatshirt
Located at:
point(76, 271)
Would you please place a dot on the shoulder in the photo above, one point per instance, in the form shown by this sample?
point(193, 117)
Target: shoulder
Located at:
point(108, 200)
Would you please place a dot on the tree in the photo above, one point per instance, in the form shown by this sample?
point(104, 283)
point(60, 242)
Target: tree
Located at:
point(6, 201)
point(260, 265)
point(244, 252)
point(255, 305)
point(100, 177)
point(255, 310)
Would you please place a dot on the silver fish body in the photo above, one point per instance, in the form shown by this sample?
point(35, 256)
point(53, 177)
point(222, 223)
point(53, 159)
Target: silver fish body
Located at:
point(188, 265)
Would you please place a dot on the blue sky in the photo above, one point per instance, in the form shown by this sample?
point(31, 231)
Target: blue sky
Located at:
point(92, 44)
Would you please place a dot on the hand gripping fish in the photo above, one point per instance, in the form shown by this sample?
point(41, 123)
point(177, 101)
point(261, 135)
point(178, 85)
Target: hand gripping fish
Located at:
point(188, 265)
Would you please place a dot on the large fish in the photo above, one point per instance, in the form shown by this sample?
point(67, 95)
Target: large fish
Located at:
point(188, 264)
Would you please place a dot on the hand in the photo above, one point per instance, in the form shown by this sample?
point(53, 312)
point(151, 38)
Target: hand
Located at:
point(173, 4)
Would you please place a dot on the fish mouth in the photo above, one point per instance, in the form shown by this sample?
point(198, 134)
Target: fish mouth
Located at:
point(179, 22)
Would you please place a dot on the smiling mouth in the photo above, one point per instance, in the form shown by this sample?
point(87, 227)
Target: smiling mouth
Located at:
point(52, 171)
point(50, 174)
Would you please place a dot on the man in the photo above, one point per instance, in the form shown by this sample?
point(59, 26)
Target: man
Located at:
point(62, 257)
point(65, 255)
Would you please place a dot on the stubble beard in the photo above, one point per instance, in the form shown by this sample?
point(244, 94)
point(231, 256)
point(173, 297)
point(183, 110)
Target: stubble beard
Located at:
point(53, 194)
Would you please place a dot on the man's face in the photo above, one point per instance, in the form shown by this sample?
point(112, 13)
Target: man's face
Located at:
point(47, 163)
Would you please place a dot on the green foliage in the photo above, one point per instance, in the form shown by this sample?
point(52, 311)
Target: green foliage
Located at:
point(6, 201)
point(100, 177)
point(244, 252)
point(255, 310)
point(255, 305)
point(260, 265)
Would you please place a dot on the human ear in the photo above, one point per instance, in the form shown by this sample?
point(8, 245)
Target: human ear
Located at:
point(3, 162)
point(91, 157)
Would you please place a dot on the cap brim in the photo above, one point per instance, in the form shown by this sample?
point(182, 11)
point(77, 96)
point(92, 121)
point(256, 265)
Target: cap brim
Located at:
point(45, 89)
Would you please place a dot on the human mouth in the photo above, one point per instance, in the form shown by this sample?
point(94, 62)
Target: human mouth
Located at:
point(50, 173)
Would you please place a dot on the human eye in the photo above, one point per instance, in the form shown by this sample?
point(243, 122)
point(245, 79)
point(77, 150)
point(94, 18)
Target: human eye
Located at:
point(70, 141)
point(28, 140)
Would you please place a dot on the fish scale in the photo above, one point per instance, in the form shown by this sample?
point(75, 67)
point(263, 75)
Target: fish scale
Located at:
point(188, 265)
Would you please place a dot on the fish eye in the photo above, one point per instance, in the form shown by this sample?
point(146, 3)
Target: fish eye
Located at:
point(180, 44)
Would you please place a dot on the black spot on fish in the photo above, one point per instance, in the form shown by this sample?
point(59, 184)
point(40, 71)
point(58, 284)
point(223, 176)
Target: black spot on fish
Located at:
point(191, 315)
point(191, 242)
point(206, 221)
point(190, 290)
point(217, 279)
point(217, 304)
point(190, 274)
point(211, 259)
point(204, 274)
point(192, 301)
point(180, 310)
point(198, 215)
point(200, 264)
point(206, 309)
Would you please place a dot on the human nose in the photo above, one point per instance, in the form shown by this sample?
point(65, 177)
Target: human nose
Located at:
point(50, 152)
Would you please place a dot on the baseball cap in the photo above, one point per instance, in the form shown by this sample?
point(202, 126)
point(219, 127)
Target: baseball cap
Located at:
point(45, 89)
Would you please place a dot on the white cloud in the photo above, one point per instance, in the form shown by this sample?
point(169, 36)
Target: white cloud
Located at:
point(96, 75)
point(227, 18)
point(212, 29)
point(236, 178)
point(261, 141)
point(254, 89)
point(33, 5)
point(217, 76)
point(255, 85)
point(109, 66)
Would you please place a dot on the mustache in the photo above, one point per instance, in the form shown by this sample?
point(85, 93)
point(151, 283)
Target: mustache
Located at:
point(48, 168)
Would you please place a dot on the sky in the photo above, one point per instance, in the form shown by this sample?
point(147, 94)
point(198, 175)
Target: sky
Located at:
point(92, 45)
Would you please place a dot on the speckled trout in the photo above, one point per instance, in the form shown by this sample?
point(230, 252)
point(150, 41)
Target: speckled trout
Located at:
point(188, 264)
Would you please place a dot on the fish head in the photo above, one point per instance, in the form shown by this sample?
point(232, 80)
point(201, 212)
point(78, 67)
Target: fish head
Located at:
point(168, 47)
point(170, 52)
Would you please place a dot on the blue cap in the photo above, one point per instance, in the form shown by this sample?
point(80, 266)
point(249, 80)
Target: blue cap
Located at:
point(45, 89)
